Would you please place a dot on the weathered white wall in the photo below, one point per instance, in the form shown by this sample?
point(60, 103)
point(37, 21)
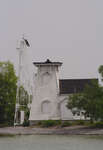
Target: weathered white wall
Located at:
point(45, 99)
point(47, 102)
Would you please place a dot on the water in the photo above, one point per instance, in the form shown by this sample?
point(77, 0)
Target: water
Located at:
point(51, 142)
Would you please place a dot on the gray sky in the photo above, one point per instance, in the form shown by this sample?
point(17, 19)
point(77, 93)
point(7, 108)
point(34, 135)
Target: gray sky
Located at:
point(70, 31)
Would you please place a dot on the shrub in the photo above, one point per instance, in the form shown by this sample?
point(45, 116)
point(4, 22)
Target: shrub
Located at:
point(26, 123)
point(49, 123)
point(66, 124)
point(80, 122)
point(4, 125)
point(98, 125)
point(39, 123)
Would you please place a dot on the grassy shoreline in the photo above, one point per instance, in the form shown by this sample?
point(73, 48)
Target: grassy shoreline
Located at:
point(52, 127)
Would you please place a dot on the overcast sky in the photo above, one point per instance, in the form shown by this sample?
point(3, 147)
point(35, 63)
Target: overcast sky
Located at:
point(70, 31)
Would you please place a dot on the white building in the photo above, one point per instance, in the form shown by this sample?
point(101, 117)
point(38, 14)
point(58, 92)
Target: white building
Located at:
point(51, 94)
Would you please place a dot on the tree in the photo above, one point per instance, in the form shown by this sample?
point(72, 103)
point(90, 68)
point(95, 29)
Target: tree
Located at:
point(24, 101)
point(100, 70)
point(23, 97)
point(90, 100)
point(8, 87)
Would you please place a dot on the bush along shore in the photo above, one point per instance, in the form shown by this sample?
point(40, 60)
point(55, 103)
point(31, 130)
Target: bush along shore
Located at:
point(61, 124)
point(53, 127)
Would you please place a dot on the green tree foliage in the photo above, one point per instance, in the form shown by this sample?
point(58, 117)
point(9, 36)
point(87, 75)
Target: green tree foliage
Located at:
point(91, 101)
point(23, 97)
point(8, 87)
point(24, 101)
point(101, 71)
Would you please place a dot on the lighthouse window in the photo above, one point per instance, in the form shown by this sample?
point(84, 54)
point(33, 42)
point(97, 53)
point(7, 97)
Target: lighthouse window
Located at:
point(46, 107)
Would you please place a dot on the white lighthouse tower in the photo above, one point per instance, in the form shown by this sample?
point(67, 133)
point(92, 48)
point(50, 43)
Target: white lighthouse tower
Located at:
point(45, 99)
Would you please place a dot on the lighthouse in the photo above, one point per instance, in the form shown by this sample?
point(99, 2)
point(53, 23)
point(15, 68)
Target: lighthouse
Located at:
point(45, 99)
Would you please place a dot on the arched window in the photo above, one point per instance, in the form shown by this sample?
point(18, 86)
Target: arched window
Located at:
point(46, 107)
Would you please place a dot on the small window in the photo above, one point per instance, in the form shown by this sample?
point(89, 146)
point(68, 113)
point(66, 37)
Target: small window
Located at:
point(46, 107)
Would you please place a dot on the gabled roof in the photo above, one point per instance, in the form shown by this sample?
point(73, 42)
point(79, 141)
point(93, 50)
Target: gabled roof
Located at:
point(70, 86)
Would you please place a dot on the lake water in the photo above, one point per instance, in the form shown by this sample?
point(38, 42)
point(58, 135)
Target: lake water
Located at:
point(51, 142)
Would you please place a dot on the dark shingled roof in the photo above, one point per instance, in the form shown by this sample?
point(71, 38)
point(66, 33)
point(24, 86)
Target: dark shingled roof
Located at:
point(69, 86)
point(47, 62)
